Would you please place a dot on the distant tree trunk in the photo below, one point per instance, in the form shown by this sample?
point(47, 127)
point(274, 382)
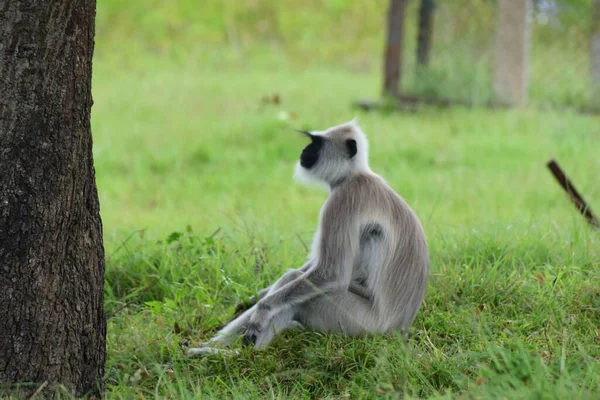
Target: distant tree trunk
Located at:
point(52, 322)
point(393, 49)
point(511, 69)
point(595, 53)
point(425, 32)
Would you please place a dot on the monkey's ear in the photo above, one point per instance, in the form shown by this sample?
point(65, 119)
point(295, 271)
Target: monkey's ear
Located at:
point(351, 147)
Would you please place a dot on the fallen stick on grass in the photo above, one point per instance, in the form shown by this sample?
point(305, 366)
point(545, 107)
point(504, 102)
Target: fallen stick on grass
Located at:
point(574, 195)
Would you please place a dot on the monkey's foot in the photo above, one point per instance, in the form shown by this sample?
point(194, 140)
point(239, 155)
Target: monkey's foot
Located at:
point(201, 351)
point(257, 337)
point(250, 337)
point(254, 336)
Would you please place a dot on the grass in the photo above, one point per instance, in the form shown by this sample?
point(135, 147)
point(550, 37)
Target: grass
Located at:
point(199, 211)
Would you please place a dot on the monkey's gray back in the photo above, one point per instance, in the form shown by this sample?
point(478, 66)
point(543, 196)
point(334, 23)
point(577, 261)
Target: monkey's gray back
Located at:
point(393, 260)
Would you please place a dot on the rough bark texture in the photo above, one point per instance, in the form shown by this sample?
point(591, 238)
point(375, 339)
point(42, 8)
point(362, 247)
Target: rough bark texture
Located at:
point(511, 69)
point(393, 50)
point(595, 53)
point(425, 31)
point(52, 322)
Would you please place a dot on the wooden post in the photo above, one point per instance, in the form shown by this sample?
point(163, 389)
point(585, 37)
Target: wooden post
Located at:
point(595, 54)
point(393, 50)
point(425, 32)
point(511, 67)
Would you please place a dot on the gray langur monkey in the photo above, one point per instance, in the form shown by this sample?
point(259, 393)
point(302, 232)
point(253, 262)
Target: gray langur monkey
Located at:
point(369, 265)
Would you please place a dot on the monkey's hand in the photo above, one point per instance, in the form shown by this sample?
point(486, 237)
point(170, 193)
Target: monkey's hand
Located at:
point(258, 332)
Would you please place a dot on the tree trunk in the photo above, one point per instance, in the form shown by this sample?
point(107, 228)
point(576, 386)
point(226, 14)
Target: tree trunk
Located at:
point(52, 322)
point(425, 32)
point(511, 69)
point(595, 54)
point(393, 49)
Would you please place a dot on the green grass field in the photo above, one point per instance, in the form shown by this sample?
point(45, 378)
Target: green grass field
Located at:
point(200, 211)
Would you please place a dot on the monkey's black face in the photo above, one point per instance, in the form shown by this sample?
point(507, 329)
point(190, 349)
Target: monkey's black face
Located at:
point(310, 154)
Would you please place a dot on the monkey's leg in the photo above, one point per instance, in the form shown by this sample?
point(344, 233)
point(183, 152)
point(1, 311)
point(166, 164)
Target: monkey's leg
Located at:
point(283, 320)
point(243, 306)
point(289, 276)
point(336, 310)
point(229, 333)
point(341, 311)
point(300, 290)
point(289, 319)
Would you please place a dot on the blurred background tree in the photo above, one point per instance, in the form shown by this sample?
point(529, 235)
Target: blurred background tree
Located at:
point(461, 48)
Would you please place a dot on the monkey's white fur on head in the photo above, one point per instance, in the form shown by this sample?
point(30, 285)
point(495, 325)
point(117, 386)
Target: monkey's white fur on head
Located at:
point(323, 174)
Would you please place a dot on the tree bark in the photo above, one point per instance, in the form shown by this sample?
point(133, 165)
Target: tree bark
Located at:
point(511, 69)
point(425, 32)
point(393, 50)
point(595, 54)
point(52, 321)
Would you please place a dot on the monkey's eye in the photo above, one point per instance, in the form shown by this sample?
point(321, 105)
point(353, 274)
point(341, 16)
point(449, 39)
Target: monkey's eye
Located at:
point(351, 147)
